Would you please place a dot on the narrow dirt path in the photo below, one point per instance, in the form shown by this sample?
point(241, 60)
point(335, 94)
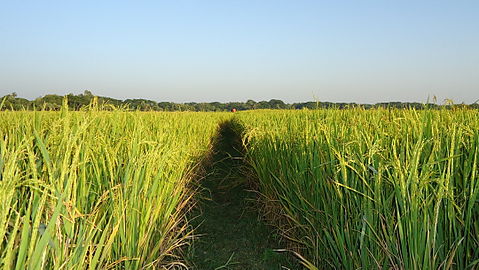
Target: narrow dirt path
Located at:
point(232, 234)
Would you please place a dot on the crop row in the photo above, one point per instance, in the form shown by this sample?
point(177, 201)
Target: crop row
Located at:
point(389, 189)
point(97, 190)
point(349, 188)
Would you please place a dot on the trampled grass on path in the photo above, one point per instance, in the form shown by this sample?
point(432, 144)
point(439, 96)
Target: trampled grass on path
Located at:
point(231, 233)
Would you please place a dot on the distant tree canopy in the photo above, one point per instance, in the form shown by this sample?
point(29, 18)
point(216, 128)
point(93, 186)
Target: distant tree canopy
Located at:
point(77, 102)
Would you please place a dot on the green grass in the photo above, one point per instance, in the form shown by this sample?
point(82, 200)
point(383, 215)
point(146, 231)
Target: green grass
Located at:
point(231, 232)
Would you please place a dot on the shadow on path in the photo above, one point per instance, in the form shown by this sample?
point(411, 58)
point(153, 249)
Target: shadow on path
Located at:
point(231, 234)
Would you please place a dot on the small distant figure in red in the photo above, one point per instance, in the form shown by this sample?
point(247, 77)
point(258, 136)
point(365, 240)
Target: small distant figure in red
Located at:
point(233, 110)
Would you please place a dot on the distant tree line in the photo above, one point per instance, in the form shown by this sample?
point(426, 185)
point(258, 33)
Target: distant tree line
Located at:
point(77, 102)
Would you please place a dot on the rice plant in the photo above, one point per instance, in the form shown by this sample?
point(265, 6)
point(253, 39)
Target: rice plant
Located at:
point(349, 189)
point(97, 189)
point(371, 189)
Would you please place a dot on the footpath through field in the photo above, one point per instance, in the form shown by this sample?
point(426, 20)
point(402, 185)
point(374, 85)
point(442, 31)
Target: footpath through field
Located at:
point(232, 235)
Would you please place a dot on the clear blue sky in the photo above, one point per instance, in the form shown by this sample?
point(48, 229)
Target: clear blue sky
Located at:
point(228, 50)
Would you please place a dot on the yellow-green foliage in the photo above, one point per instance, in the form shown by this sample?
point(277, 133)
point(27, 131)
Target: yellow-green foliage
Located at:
point(390, 189)
point(97, 190)
point(359, 189)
